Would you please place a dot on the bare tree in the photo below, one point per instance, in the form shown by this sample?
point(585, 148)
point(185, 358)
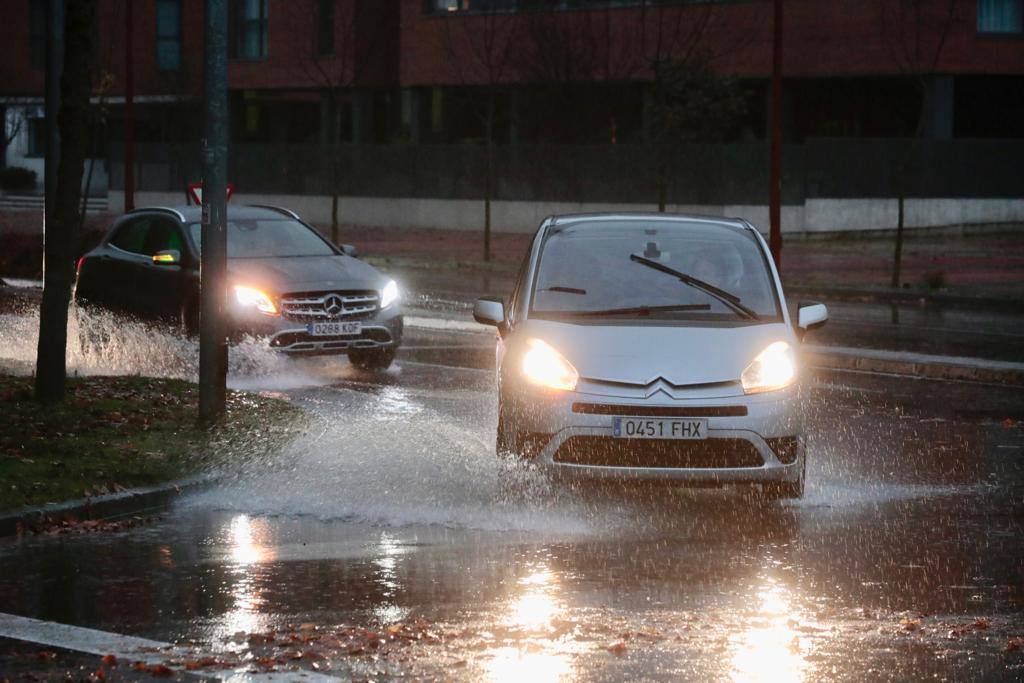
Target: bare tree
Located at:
point(915, 33)
point(330, 66)
point(73, 119)
point(14, 122)
point(481, 49)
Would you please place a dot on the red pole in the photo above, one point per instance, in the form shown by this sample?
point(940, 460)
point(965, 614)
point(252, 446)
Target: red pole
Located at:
point(775, 200)
point(129, 111)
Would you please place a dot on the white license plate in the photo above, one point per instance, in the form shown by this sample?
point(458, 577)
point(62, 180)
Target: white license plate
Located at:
point(659, 428)
point(333, 329)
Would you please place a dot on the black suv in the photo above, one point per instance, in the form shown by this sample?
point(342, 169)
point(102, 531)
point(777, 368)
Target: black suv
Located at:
point(286, 282)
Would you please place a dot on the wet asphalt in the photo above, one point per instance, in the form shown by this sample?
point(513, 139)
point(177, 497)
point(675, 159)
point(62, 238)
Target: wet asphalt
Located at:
point(904, 561)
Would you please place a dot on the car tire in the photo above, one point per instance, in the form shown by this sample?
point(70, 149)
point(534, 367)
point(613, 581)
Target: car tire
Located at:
point(376, 360)
point(507, 442)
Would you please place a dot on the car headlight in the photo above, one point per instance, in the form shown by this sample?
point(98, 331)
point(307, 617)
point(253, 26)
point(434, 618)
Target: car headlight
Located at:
point(250, 296)
point(389, 294)
point(545, 366)
point(774, 368)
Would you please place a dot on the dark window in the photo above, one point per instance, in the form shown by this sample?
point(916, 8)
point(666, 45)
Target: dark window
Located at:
point(168, 35)
point(249, 29)
point(37, 34)
point(162, 236)
point(132, 235)
point(36, 137)
point(325, 26)
point(1000, 16)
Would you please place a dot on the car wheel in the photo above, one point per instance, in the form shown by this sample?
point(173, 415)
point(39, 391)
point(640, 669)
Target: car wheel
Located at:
point(372, 359)
point(507, 442)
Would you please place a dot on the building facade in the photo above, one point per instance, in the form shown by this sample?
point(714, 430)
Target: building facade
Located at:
point(531, 71)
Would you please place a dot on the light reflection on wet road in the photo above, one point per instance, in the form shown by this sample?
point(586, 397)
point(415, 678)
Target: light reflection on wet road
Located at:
point(388, 509)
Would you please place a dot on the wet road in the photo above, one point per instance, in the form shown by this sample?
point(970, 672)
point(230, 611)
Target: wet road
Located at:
point(906, 558)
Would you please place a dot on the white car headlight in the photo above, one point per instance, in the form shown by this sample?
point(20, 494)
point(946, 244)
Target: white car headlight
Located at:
point(250, 296)
point(389, 294)
point(545, 366)
point(774, 368)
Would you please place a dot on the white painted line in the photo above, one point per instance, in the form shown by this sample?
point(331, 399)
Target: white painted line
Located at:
point(129, 649)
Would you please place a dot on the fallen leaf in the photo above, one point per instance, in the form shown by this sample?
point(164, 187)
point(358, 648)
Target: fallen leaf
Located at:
point(910, 624)
point(109, 660)
point(981, 623)
point(618, 649)
point(1014, 644)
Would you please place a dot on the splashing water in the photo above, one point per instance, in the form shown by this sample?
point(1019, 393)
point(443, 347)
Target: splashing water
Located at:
point(103, 343)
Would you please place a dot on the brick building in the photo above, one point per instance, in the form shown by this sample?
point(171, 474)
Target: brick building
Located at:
point(552, 71)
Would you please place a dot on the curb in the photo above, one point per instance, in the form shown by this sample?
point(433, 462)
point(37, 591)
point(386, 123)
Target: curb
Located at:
point(123, 504)
point(870, 295)
point(916, 365)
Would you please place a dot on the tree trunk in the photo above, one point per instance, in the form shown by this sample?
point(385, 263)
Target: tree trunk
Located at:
point(62, 233)
point(489, 175)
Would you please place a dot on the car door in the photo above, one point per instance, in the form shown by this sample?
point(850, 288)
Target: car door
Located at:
point(119, 264)
point(162, 287)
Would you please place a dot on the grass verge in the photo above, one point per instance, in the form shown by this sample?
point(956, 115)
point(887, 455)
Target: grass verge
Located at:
point(114, 433)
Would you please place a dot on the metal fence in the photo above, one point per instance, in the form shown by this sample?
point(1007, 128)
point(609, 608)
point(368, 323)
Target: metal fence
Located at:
point(692, 174)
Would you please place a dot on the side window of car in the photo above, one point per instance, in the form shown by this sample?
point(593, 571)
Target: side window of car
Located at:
point(163, 235)
point(517, 291)
point(132, 236)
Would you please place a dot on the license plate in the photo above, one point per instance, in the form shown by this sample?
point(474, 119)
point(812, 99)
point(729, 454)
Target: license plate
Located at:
point(333, 329)
point(659, 428)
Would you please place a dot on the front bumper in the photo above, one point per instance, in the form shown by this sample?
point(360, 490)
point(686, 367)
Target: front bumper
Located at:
point(750, 439)
point(383, 330)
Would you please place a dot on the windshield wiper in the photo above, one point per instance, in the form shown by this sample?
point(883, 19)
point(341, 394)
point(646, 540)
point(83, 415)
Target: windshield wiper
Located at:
point(564, 289)
point(727, 298)
point(636, 310)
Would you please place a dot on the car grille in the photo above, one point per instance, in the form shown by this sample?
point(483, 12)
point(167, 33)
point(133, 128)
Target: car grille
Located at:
point(313, 306)
point(658, 411)
point(606, 451)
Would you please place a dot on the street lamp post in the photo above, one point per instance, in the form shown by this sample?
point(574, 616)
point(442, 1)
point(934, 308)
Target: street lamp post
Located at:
point(213, 351)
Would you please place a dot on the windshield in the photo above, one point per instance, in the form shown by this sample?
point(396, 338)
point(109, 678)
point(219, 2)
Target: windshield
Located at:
point(631, 269)
point(264, 238)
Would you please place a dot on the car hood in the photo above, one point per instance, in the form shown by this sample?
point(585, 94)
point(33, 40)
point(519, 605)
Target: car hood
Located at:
point(635, 354)
point(305, 273)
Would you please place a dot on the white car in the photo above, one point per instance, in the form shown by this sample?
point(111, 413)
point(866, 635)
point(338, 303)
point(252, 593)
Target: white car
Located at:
point(652, 347)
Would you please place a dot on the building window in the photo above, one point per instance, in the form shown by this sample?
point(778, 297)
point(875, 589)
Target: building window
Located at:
point(1000, 16)
point(37, 34)
point(36, 137)
point(249, 30)
point(168, 35)
point(325, 27)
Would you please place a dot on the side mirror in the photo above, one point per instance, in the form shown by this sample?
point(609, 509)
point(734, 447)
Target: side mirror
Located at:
point(489, 311)
point(349, 250)
point(168, 257)
point(811, 315)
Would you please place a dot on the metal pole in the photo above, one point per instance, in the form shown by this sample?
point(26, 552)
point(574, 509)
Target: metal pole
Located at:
point(213, 353)
point(775, 199)
point(54, 67)
point(129, 111)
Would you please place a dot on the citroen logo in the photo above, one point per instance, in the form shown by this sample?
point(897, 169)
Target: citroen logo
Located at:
point(333, 305)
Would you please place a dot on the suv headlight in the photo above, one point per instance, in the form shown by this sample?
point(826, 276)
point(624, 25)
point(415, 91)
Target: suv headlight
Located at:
point(545, 366)
point(774, 368)
point(250, 296)
point(389, 294)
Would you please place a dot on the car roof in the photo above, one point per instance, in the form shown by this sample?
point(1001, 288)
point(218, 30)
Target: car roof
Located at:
point(565, 219)
point(194, 214)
